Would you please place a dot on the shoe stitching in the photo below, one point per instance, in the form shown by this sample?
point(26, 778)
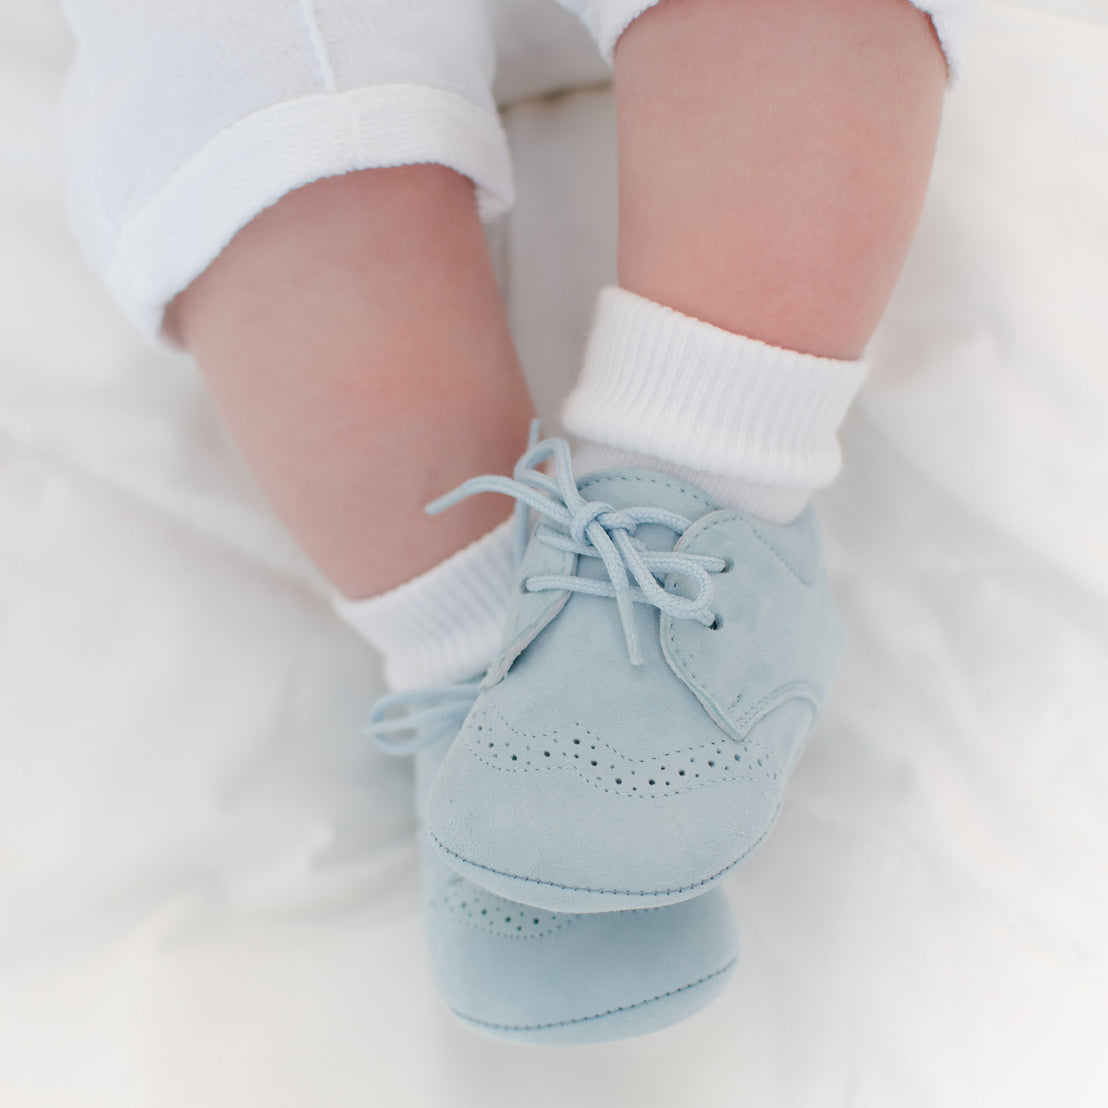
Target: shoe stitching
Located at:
point(457, 878)
point(599, 1015)
point(598, 479)
point(574, 723)
point(532, 936)
point(764, 540)
point(801, 689)
point(551, 609)
point(793, 690)
point(797, 690)
point(566, 563)
point(649, 792)
point(455, 905)
point(546, 616)
point(612, 892)
point(751, 526)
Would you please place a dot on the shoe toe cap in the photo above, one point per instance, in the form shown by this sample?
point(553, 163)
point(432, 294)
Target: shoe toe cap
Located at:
point(563, 822)
point(570, 978)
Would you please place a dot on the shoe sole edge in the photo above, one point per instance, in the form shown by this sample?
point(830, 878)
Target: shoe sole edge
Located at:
point(622, 1022)
point(554, 897)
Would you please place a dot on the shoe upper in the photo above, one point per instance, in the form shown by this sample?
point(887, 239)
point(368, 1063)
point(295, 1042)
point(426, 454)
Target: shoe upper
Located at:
point(516, 972)
point(580, 779)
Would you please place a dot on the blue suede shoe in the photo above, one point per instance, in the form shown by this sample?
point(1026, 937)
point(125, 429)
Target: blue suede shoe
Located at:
point(663, 664)
point(514, 972)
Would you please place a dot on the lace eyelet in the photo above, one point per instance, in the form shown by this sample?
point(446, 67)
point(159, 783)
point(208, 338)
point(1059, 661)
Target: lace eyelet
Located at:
point(716, 623)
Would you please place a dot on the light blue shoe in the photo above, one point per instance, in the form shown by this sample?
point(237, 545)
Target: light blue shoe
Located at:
point(664, 662)
point(514, 972)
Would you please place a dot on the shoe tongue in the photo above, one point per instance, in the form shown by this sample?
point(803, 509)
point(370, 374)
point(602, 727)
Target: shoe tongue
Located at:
point(636, 488)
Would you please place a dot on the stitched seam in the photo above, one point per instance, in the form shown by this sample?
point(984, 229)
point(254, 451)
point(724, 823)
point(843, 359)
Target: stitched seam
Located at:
point(733, 517)
point(677, 487)
point(531, 936)
point(612, 892)
point(560, 596)
point(698, 686)
point(449, 904)
point(780, 557)
point(567, 917)
point(795, 690)
point(599, 1015)
point(592, 735)
point(683, 657)
point(528, 634)
point(649, 792)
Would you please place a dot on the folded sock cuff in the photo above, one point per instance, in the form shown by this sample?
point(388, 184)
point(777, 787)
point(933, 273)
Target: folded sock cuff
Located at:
point(660, 383)
point(444, 625)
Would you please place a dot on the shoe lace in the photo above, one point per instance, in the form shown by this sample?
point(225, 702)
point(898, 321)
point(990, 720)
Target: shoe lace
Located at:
point(595, 529)
point(431, 714)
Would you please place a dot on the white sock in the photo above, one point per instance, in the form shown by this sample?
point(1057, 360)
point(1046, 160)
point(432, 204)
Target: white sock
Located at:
point(444, 625)
point(752, 425)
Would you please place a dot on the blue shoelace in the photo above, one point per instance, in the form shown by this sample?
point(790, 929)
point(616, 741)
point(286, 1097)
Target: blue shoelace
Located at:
point(430, 714)
point(594, 529)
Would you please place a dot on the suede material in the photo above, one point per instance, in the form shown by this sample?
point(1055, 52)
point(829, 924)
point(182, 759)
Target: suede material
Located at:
point(582, 783)
point(785, 643)
point(532, 611)
point(515, 972)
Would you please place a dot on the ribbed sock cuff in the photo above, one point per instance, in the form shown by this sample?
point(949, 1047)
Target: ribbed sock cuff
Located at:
point(444, 625)
point(667, 386)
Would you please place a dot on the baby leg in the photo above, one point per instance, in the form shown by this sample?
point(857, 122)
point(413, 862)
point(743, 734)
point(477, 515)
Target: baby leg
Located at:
point(774, 156)
point(356, 344)
point(773, 160)
point(302, 190)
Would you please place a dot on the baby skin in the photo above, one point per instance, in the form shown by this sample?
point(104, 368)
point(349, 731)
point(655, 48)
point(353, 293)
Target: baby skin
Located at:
point(773, 160)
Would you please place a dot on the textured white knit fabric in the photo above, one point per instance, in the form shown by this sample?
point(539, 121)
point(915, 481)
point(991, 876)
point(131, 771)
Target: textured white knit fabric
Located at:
point(608, 19)
point(444, 625)
point(184, 120)
point(752, 423)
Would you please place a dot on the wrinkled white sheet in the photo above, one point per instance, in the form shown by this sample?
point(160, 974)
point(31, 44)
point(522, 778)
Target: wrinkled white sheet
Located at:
point(208, 890)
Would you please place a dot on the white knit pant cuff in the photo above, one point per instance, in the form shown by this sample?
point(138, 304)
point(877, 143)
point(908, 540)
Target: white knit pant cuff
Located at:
point(181, 229)
point(608, 19)
point(662, 384)
point(444, 625)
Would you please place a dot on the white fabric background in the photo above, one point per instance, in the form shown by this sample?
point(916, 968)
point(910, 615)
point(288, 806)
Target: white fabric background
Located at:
point(208, 890)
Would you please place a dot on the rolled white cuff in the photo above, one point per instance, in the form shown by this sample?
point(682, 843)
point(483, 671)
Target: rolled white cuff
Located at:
point(608, 19)
point(161, 247)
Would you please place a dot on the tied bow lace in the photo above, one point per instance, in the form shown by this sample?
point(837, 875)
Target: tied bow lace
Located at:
point(431, 714)
point(594, 529)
